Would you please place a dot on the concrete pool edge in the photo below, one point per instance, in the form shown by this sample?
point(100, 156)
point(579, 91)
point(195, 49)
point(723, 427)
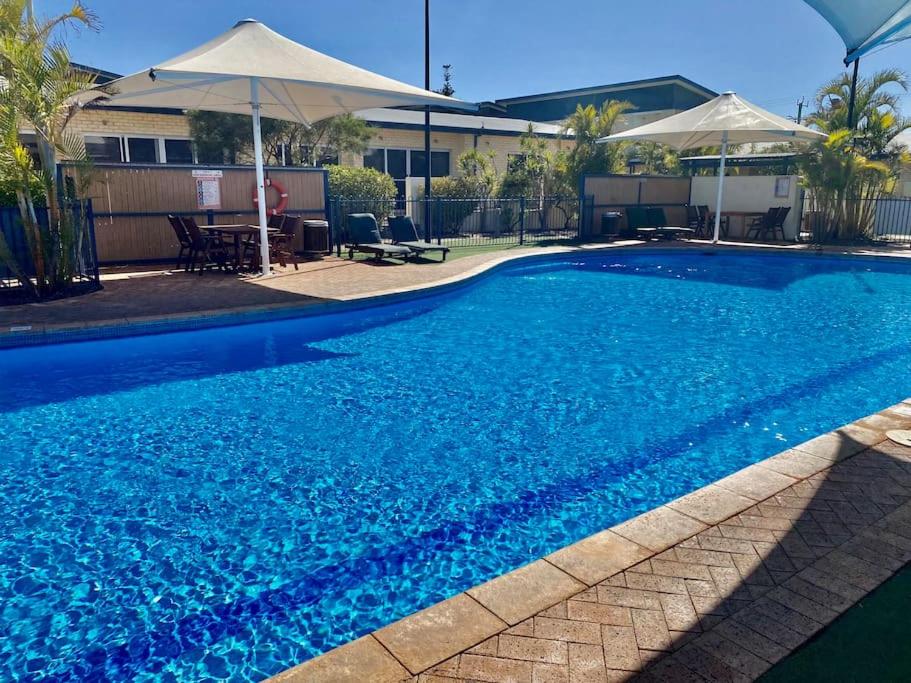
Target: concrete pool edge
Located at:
point(23, 335)
point(414, 645)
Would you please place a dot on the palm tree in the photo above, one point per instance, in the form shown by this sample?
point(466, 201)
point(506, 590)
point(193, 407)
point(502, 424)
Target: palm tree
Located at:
point(38, 88)
point(588, 125)
point(877, 106)
point(854, 168)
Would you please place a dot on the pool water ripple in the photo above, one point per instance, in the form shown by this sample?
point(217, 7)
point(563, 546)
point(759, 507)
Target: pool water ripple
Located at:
point(224, 504)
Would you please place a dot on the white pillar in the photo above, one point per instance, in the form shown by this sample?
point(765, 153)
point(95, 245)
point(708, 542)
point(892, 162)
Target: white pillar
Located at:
point(260, 176)
point(724, 154)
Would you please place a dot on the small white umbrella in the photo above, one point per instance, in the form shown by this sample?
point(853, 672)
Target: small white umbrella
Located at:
point(727, 119)
point(253, 69)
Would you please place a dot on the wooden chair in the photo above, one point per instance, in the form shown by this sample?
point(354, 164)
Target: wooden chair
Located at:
point(281, 244)
point(183, 239)
point(206, 250)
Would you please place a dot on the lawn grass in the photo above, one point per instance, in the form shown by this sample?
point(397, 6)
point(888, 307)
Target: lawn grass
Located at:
point(869, 642)
point(463, 251)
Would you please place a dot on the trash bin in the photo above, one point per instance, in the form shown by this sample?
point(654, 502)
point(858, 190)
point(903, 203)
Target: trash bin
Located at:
point(316, 238)
point(610, 223)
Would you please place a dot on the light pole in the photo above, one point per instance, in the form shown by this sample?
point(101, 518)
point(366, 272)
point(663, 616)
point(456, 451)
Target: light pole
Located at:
point(427, 189)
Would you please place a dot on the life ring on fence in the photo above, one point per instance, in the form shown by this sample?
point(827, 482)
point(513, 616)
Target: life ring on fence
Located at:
point(282, 197)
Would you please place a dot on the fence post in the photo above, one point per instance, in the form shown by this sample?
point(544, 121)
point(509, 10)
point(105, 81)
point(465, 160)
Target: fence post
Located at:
point(522, 220)
point(90, 219)
point(210, 217)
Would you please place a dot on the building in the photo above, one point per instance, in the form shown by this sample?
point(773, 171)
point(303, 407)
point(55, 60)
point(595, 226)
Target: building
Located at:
point(151, 136)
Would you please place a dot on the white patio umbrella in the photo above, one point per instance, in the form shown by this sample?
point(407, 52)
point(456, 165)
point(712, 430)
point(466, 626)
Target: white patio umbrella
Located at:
point(727, 119)
point(253, 69)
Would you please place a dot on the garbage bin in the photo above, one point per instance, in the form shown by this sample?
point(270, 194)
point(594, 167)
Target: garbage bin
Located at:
point(610, 223)
point(316, 238)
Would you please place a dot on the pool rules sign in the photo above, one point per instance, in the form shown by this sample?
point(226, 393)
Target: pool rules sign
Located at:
point(208, 188)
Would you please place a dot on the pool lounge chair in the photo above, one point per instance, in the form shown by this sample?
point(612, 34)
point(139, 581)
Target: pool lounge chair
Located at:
point(658, 220)
point(364, 237)
point(405, 234)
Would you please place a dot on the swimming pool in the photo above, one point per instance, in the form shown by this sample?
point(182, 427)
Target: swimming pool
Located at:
point(230, 502)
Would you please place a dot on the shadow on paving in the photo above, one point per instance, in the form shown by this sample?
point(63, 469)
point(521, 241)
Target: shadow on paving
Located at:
point(742, 594)
point(151, 295)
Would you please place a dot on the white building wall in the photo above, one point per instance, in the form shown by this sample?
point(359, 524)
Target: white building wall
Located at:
point(749, 193)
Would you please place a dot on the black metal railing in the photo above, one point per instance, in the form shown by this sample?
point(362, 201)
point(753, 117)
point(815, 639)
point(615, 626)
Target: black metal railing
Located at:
point(886, 220)
point(471, 221)
point(79, 242)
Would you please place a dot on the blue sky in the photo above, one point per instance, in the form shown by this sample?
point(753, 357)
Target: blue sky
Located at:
point(771, 52)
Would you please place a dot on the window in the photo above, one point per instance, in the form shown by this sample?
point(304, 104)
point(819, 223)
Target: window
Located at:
point(142, 150)
point(397, 163)
point(439, 164)
point(376, 159)
point(177, 152)
point(103, 148)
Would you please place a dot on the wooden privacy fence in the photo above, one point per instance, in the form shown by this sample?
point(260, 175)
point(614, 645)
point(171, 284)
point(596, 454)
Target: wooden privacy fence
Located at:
point(132, 202)
point(619, 192)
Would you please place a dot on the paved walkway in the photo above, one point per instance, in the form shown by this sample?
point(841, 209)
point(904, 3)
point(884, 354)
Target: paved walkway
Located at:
point(718, 586)
point(144, 295)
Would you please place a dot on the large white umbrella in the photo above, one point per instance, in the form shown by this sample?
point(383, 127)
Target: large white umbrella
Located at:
point(727, 119)
point(253, 69)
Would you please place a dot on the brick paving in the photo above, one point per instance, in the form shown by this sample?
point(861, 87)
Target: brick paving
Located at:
point(716, 586)
point(141, 295)
point(727, 603)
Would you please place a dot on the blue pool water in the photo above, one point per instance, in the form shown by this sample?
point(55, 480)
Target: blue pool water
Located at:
point(224, 504)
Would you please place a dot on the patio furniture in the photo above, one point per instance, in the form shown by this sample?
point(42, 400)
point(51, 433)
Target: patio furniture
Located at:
point(762, 225)
point(658, 220)
point(706, 215)
point(637, 224)
point(316, 238)
point(405, 234)
point(782, 216)
point(183, 239)
point(364, 237)
point(281, 243)
point(244, 238)
point(206, 250)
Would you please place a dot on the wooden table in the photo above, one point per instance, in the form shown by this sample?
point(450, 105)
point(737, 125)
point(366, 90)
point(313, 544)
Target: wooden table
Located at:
point(742, 215)
point(239, 231)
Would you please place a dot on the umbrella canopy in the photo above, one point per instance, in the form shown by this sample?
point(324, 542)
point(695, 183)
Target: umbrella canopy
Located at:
point(251, 69)
point(727, 119)
point(866, 25)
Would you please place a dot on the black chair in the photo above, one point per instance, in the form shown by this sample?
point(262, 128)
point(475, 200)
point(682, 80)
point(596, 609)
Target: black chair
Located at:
point(206, 250)
point(782, 216)
point(405, 234)
point(762, 225)
point(693, 219)
point(183, 239)
point(364, 236)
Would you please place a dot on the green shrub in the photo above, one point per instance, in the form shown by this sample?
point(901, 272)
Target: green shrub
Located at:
point(359, 183)
point(359, 190)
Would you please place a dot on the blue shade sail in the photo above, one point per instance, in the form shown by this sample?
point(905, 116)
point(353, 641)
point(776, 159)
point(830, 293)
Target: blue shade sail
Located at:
point(865, 25)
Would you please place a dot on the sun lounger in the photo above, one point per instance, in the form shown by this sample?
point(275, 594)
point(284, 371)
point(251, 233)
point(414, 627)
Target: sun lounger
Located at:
point(364, 237)
point(405, 234)
point(657, 221)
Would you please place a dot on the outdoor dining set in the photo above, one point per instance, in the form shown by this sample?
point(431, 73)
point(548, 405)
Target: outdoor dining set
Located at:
point(236, 246)
point(755, 224)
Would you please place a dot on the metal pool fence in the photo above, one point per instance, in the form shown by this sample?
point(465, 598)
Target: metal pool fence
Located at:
point(885, 220)
point(469, 222)
point(81, 247)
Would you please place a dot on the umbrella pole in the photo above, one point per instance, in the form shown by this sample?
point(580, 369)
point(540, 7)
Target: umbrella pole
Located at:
point(724, 154)
point(260, 175)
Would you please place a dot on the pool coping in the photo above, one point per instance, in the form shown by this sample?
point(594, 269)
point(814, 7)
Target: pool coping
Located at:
point(24, 335)
point(418, 642)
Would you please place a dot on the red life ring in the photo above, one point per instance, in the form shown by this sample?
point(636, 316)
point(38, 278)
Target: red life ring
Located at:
point(282, 197)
